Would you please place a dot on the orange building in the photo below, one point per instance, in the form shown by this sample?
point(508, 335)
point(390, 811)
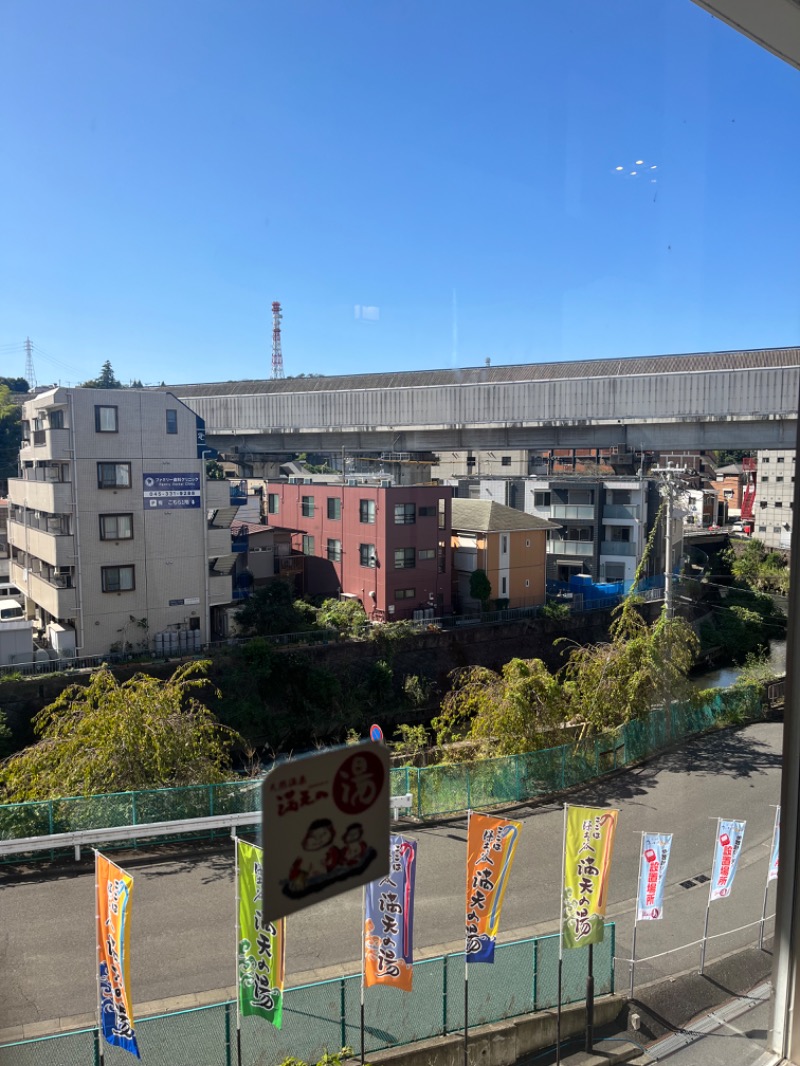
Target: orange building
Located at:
point(509, 545)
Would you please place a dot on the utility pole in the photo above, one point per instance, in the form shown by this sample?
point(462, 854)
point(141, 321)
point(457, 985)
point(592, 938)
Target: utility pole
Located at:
point(670, 489)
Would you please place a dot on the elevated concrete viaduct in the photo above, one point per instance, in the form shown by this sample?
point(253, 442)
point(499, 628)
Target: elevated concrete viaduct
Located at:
point(709, 400)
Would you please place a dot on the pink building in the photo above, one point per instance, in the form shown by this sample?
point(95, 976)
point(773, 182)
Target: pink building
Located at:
point(386, 545)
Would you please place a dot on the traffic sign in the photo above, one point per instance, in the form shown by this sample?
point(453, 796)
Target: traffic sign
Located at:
point(376, 733)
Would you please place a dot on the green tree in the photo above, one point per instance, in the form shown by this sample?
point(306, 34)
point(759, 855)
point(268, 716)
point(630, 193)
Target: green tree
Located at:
point(15, 384)
point(346, 616)
point(10, 436)
point(480, 587)
point(757, 567)
point(112, 737)
point(105, 380)
point(6, 737)
point(272, 609)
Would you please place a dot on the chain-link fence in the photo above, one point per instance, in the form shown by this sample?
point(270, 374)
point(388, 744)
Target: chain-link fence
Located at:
point(435, 790)
point(523, 979)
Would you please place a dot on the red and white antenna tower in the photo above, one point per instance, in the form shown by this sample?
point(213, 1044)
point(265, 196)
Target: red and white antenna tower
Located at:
point(277, 354)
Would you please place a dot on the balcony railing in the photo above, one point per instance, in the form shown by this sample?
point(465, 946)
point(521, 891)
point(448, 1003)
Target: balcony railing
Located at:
point(570, 547)
point(617, 547)
point(238, 493)
point(622, 510)
point(572, 510)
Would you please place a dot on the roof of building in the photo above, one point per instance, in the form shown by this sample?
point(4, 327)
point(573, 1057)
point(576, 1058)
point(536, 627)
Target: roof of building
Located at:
point(486, 516)
point(597, 368)
point(238, 526)
point(732, 468)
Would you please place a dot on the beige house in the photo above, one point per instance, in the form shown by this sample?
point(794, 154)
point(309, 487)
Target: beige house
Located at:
point(509, 545)
point(117, 537)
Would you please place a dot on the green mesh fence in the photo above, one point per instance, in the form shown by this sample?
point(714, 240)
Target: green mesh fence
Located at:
point(522, 979)
point(435, 790)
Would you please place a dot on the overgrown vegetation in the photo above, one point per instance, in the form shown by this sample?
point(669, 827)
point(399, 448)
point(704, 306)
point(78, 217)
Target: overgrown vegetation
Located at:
point(757, 567)
point(112, 737)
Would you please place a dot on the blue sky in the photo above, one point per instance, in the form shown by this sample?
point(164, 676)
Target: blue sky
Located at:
point(169, 169)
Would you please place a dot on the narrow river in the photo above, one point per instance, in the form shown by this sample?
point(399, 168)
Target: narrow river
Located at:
point(727, 675)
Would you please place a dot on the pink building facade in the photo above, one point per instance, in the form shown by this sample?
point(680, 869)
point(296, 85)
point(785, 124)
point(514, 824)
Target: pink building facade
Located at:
point(386, 545)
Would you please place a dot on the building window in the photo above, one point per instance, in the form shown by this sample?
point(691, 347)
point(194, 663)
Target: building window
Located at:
point(172, 420)
point(118, 578)
point(334, 508)
point(273, 503)
point(335, 550)
point(776, 529)
point(113, 475)
point(504, 585)
point(620, 534)
point(504, 544)
point(405, 514)
point(470, 462)
point(541, 499)
point(307, 507)
point(527, 543)
point(105, 419)
point(308, 545)
point(527, 583)
point(765, 477)
point(506, 460)
point(366, 512)
point(366, 554)
point(762, 503)
point(779, 503)
point(762, 529)
point(442, 556)
point(426, 553)
point(405, 594)
point(779, 477)
point(426, 512)
point(116, 527)
point(442, 514)
point(405, 558)
point(56, 419)
point(780, 459)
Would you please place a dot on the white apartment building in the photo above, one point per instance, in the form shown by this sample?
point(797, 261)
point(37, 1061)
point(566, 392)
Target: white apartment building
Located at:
point(116, 535)
point(772, 515)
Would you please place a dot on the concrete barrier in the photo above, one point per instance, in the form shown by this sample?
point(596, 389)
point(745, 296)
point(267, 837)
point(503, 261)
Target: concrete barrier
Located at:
point(502, 1043)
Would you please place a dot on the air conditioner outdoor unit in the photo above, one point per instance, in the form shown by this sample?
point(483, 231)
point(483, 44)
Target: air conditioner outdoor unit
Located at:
point(51, 473)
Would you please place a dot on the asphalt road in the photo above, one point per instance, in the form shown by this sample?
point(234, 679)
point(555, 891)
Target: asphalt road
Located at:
point(183, 933)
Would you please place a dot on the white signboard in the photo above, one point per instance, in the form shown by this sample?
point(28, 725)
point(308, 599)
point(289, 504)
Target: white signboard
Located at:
point(325, 826)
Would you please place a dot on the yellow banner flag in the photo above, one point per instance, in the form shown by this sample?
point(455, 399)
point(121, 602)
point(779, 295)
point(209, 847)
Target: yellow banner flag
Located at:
point(587, 865)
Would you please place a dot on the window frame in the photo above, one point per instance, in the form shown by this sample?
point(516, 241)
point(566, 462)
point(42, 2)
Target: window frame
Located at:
point(103, 484)
point(172, 424)
point(426, 553)
point(334, 509)
point(309, 544)
point(105, 571)
point(307, 506)
point(366, 512)
point(406, 554)
point(405, 514)
point(333, 555)
point(98, 407)
point(276, 498)
point(115, 515)
point(405, 594)
point(367, 551)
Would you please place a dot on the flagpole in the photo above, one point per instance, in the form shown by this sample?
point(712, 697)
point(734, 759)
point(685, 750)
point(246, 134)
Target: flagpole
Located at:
point(236, 926)
point(708, 902)
point(636, 917)
point(561, 936)
point(363, 960)
point(101, 1053)
point(466, 965)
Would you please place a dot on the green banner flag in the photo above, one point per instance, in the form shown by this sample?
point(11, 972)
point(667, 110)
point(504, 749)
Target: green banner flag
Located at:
point(261, 966)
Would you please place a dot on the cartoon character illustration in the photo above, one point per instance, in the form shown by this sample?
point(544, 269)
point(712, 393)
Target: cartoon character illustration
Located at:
point(354, 847)
point(322, 862)
point(319, 856)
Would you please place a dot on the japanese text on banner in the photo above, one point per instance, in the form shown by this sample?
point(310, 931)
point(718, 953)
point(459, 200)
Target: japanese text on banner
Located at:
point(589, 846)
point(776, 847)
point(491, 844)
point(654, 860)
point(389, 920)
point(730, 836)
point(261, 963)
point(114, 889)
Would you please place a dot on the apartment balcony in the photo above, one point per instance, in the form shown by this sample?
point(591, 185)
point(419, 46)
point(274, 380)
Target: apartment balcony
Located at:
point(240, 542)
point(628, 511)
point(47, 444)
point(219, 589)
point(583, 548)
point(55, 497)
point(572, 510)
point(56, 596)
point(618, 547)
point(219, 541)
point(55, 549)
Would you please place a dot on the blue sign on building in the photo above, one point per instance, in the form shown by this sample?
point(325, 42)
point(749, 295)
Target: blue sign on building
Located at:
point(171, 490)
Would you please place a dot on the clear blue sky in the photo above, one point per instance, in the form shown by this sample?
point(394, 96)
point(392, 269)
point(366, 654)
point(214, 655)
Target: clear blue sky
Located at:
point(170, 167)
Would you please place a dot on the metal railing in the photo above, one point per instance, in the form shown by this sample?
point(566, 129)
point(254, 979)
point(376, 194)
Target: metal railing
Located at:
point(326, 1014)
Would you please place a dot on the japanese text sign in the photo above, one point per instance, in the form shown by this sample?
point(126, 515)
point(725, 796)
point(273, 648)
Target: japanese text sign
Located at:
point(261, 962)
point(325, 824)
point(588, 848)
point(491, 844)
point(114, 888)
point(389, 920)
point(728, 848)
point(171, 490)
point(653, 862)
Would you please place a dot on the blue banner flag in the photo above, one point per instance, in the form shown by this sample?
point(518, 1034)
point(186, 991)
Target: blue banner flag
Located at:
point(654, 860)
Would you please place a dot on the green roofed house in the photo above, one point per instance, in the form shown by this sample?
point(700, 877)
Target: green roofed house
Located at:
point(509, 545)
